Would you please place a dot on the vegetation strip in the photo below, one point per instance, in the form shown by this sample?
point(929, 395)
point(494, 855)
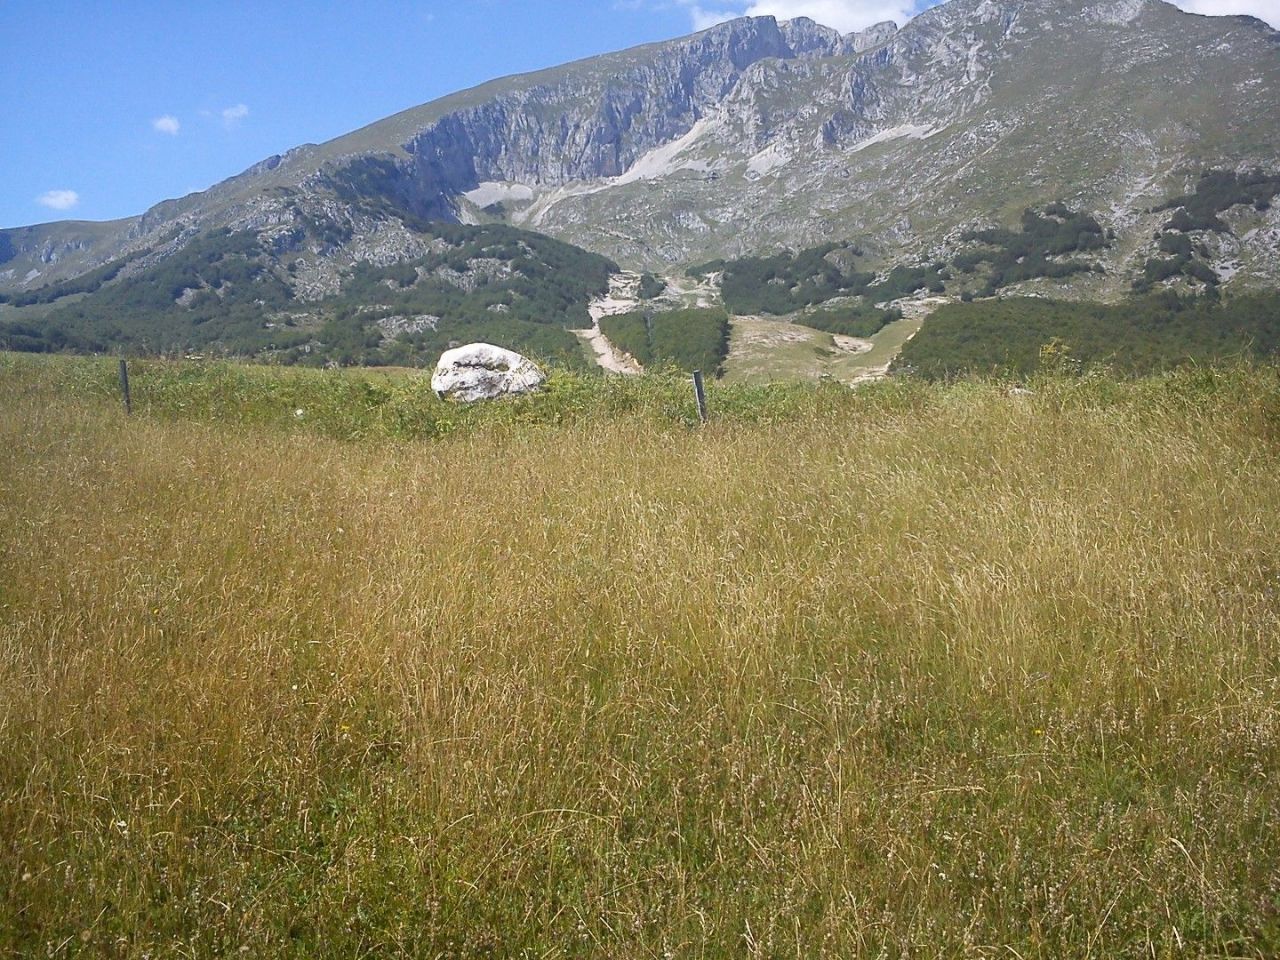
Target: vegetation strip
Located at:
point(1017, 336)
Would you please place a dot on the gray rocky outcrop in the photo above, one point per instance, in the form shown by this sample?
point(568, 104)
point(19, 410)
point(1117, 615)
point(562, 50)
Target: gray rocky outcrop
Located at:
point(481, 371)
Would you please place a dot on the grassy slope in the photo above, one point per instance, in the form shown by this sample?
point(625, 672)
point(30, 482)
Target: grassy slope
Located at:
point(763, 350)
point(920, 669)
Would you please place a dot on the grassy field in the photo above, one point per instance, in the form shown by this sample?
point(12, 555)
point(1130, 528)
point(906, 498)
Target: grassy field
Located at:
point(763, 351)
point(913, 670)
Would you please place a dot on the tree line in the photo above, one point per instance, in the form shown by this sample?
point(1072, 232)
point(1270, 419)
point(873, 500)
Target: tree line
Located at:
point(1143, 335)
point(692, 339)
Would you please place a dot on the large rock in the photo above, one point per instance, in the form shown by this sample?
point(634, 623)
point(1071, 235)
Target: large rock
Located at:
point(481, 371)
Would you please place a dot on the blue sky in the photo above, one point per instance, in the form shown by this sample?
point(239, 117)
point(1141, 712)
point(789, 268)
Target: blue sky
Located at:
point(112, 107)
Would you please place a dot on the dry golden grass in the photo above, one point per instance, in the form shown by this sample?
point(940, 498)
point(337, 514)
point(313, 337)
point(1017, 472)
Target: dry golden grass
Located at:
point(955, 675)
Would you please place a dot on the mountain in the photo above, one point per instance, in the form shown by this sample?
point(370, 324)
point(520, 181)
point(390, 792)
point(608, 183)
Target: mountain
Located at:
point(758, 135)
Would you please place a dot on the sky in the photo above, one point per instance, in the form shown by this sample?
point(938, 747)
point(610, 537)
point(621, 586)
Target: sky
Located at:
point(111, 107)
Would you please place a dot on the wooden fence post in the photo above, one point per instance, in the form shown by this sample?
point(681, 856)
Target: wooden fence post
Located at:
point(124, 385)
point(700, 394)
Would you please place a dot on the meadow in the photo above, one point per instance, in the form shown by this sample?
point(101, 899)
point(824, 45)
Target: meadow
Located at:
point(308, 664)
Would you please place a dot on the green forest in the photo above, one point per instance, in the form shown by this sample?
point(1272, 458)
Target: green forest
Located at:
point(1018, 336)
point(857, 320)
point(218, 290)
point(1034, 251)
point(225, 293)
point(1216, 192)
point(89, 282)
point(787, 282)
point(1198, 212)
point(694, 339)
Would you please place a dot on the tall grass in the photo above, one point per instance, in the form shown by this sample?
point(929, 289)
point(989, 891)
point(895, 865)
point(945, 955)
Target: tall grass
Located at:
point(927, 671)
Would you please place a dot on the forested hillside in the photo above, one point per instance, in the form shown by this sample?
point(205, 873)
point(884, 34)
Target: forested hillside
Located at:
point(693, 339)
point(1051, 243)
point(1182, 250)
point(1043, 247)
point(1019, 336)
point(229, 293)
point(786, 282)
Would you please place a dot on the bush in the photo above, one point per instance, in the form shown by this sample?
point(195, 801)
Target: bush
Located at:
point(651, 286)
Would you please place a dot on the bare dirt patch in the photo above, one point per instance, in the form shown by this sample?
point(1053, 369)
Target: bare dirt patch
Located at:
point(623, 297)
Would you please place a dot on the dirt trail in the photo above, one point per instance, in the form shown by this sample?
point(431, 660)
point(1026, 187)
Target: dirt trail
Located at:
point(623, 297)
point(607, 355)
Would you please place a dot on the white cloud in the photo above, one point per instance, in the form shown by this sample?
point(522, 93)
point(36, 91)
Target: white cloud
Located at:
point(845, 15)
point(1268, 10)
point(702, 19)
point(58, 199)
point(233, 115)
point(167, 124)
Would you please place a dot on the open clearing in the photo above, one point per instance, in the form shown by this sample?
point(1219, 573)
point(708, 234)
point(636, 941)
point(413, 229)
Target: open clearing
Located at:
point(765, 350)
point(903, 670)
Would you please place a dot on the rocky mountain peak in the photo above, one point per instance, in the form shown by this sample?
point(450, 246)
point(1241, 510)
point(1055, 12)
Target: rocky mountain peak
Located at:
point(740, 42)
point(804, 36)
point(873, 36)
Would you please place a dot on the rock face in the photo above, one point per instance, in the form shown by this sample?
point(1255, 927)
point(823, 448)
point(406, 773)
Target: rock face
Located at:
point(481, 371)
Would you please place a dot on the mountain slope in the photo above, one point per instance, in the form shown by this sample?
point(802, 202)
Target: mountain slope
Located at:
point(229, 292)
point(970, 114)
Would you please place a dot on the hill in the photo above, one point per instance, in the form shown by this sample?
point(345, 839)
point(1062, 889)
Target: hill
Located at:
point(231, 293)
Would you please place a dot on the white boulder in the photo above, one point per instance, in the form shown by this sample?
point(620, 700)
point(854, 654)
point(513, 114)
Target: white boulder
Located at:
point(481, 371)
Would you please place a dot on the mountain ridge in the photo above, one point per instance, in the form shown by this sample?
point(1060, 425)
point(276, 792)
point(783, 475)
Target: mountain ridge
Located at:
point(756, 135)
